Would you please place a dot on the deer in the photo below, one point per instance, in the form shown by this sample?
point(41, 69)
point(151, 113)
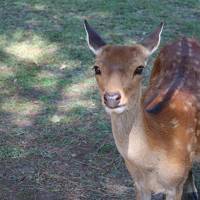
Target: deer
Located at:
point(156, 131)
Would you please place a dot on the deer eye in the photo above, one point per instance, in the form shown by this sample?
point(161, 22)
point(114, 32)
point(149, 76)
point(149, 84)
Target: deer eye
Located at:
point(139, 70)
point(97, 70)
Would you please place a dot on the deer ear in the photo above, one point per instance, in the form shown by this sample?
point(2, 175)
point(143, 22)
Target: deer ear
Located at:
point(153, 40)
point(95, 42)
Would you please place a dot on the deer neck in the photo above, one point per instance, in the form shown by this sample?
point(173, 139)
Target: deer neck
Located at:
point(128, 123)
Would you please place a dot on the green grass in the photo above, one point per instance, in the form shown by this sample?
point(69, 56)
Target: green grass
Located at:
point(56, 140)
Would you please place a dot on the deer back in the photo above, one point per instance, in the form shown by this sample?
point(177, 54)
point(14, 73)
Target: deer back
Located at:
point(172, 101)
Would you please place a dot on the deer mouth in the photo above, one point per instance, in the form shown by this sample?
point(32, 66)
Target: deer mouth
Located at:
point(118, 109)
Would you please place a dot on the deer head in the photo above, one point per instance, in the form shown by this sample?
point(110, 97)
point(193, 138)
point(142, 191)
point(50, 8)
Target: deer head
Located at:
point(118, 69)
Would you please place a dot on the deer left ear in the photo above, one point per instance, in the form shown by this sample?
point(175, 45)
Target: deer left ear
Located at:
point(153, 40)
point(95, 42)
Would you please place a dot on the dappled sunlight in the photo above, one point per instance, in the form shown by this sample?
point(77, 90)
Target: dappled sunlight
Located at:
point(130, 41)
point(87, 104)
point(6, 71)
point(46, 80)
point(23, 111)
point(72, 111)
point(69, 64)
point(75, 101)
point(56, 118)
point(75, 95)
point(39, 7)
point(86, 84)
point(32, 50)
point(3, 40)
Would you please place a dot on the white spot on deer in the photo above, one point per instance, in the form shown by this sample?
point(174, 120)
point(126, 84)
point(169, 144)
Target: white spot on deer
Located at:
point(174, 123)
point(190, 130)
point(178, 143)
point(189, 148)
point(196, 62)
point(189, 103)
point(178, 53)
point(185, 108)
point(195, 140)
point(192, 154)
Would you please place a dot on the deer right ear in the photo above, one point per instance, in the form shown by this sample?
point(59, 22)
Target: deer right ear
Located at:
point(153, 40)
point(95, 42)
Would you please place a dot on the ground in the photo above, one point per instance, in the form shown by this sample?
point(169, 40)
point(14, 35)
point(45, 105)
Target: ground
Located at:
point(55, 137)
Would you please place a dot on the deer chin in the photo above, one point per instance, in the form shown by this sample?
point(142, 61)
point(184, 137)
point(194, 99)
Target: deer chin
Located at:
point(117, 110)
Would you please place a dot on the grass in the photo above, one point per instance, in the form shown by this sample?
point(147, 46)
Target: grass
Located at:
point(56, 140)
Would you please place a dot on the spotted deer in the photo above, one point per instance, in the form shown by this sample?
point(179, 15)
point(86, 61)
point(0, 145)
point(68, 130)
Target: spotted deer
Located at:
point(157, 132)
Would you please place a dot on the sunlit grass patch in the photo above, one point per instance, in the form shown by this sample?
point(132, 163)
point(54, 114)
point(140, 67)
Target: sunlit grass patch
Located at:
point(39, 7)
point(25, 75)
point(32, 50)
point(46, 80)
point(21, 106)
point(23, 111)
point(6, 72)
point(71, 112)
point(75, 95)
point(82, 86)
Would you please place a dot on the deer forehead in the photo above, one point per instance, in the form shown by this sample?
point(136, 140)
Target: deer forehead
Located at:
point(121, 57)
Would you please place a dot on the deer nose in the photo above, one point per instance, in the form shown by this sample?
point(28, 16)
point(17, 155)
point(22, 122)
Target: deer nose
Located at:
point(112, 100)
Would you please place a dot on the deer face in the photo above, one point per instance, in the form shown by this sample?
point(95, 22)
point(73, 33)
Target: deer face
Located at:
point(118, 69)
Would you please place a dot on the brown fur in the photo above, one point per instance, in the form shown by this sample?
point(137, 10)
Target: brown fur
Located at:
point(158, 134)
